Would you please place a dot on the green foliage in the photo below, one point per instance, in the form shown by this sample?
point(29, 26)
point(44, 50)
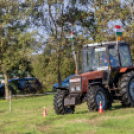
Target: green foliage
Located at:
point(16, 43)
point(45, 68)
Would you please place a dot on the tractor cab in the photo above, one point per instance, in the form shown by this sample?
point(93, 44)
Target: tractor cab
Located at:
point(105, 56)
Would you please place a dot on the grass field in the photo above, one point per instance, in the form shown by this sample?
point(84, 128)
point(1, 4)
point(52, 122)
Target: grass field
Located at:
point(27, 117)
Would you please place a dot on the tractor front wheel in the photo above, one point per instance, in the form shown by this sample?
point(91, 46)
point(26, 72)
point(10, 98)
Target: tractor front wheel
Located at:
point(95, 95)
point(59, 107)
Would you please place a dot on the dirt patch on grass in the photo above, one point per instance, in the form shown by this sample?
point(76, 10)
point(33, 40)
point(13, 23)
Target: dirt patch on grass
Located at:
point(43, 128)
point(96, 121)
point(92, 122)
point(91, 131)
point(78, 121)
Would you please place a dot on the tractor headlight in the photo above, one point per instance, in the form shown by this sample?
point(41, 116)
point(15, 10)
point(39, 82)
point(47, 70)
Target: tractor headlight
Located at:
point(77, 88)
point(72, 89)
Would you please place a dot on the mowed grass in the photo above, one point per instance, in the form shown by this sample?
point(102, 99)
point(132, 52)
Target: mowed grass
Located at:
point(27, 117)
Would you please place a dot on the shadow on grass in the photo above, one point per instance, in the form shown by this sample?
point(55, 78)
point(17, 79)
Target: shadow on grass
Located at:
point(51, 119)
point(1, 112)
point(116, 106)
point(82, 112)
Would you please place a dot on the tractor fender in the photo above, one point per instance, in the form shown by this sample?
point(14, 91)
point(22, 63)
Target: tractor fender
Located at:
point(62, 88)
point(123, 70)
point(94, 83)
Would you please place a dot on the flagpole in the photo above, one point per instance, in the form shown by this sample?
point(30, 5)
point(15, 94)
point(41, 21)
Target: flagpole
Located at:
point(73, 51)
point(117, 47)
point(74, 54)
point(117, 44)
point(75, 57)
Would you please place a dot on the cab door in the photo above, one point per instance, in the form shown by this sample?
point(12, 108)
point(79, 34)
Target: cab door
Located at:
point(114, 62)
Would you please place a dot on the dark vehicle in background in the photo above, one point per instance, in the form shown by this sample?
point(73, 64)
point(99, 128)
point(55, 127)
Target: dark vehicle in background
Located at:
point(22, 86)
point(64, 83)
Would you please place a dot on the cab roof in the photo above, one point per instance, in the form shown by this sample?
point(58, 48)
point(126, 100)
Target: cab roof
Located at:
point(104, 43)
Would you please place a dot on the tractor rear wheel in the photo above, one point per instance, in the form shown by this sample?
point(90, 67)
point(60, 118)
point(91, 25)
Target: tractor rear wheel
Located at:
point(95, 94)
point(59, 107)
point(126, 89)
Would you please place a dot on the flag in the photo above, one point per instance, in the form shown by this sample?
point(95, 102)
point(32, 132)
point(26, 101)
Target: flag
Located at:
point(71, 36)
point(118, 30)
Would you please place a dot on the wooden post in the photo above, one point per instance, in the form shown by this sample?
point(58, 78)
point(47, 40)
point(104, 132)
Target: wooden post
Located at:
point(6, 86)
point(10, 101)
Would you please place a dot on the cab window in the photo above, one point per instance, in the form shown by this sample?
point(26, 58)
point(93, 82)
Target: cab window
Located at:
point(125, 56)
point(114, 59)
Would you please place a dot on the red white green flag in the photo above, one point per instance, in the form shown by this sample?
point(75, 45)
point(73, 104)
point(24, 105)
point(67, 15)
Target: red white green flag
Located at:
point(71, 36)
point(118, 30)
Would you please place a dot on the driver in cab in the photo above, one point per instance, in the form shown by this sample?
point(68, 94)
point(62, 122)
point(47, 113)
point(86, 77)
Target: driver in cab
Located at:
point(104, 61)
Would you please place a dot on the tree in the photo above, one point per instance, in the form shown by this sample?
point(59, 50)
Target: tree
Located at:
point(15, 42)
point(45, 68)
point(58, 19)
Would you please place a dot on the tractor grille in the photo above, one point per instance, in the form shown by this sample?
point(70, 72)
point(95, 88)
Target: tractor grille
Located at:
point(75, 84)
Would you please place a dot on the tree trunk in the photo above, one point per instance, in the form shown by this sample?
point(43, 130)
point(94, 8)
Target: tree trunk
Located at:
point(59, 65)
point(59, 73)
point(6, 86)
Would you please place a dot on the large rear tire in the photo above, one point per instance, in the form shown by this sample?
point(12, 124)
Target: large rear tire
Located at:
point(126, 89)
point(59, 107)
point(95, 94)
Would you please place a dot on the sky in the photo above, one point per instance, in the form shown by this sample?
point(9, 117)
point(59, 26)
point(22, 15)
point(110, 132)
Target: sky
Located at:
point(41, 30)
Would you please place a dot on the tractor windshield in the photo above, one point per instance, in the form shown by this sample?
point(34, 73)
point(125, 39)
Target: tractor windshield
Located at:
point(95, 59)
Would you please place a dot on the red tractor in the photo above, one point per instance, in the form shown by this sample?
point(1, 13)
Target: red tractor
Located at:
point(107, 74)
